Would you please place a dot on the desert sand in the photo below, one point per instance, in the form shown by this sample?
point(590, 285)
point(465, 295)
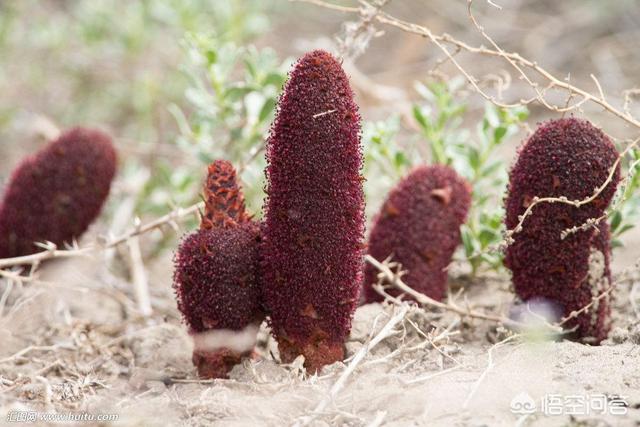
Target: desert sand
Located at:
point(78, 345)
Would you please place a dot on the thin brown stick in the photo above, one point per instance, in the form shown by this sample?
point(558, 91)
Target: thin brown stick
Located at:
point(423, 299)
point(350, 368)
point(490, 365)
point(587, 307)
point(395, 280)
point(53, 252)
point(331, 6)
point(31, 348)
point(440, 40)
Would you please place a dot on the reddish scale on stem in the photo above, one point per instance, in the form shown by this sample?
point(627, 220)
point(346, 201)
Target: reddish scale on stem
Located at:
point(419, 227)
point(314, 213)
point(216, 272)
point(224, 202)
point(571, 158)
point(55, 194)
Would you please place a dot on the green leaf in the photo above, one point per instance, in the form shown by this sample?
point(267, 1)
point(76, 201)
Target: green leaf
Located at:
point(499, 133)
point(474, 158)
point(616, 220)
point(491, 169)
point(523, 114)
point(625, 228)
point(424, 91)
point(237, 92)
point(616, 243)
point(251, 68)
point(467, 242)
point(205, 158)
point(486, 237)
point(211, 56)
point(422, 120)
point(492, 260)
point(458, 110)
point(400, 160)
point(491, 114)
point(274, 79)
point(267, 108)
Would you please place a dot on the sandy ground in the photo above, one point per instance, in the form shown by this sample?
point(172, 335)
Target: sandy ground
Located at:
point(79, 344)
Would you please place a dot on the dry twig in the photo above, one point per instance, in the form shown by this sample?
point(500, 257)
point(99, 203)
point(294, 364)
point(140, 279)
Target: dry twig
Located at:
point(395, 280)
point(353, 364)
point(490, 365)
point(520, 64)
point(53, 252)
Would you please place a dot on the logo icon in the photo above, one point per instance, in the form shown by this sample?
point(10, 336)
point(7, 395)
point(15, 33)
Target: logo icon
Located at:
point(523, 404)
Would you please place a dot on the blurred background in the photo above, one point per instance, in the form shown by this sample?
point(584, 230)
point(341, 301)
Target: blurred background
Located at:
point(178, 83)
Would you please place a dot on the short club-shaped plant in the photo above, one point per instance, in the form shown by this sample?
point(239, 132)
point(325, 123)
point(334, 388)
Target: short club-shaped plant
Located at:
point(563, 158)
point(56, 193)
point(418, 227)
point(216, 277)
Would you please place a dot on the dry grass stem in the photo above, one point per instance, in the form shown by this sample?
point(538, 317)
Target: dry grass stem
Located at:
point(386, 331)
point(139, 277)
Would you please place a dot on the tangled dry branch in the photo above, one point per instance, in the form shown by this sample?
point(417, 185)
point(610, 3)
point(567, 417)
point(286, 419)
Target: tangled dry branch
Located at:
point(395, 280)
point(350, 368)
point(391, 275)
point(370, 13)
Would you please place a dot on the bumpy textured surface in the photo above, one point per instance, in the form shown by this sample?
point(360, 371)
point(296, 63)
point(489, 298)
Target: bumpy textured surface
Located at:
point(419, 227)
point(216, 271)
point(312, 250)
point(56, 193)
point(566, 157)
point(224, 201)
point(215, 278)
point(216, 285)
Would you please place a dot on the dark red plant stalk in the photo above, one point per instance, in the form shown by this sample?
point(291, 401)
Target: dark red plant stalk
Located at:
point(215, 278)
point(314, 214)
point(571, 158)
point(55, 194)
point(419, 227)
point(224, 202)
